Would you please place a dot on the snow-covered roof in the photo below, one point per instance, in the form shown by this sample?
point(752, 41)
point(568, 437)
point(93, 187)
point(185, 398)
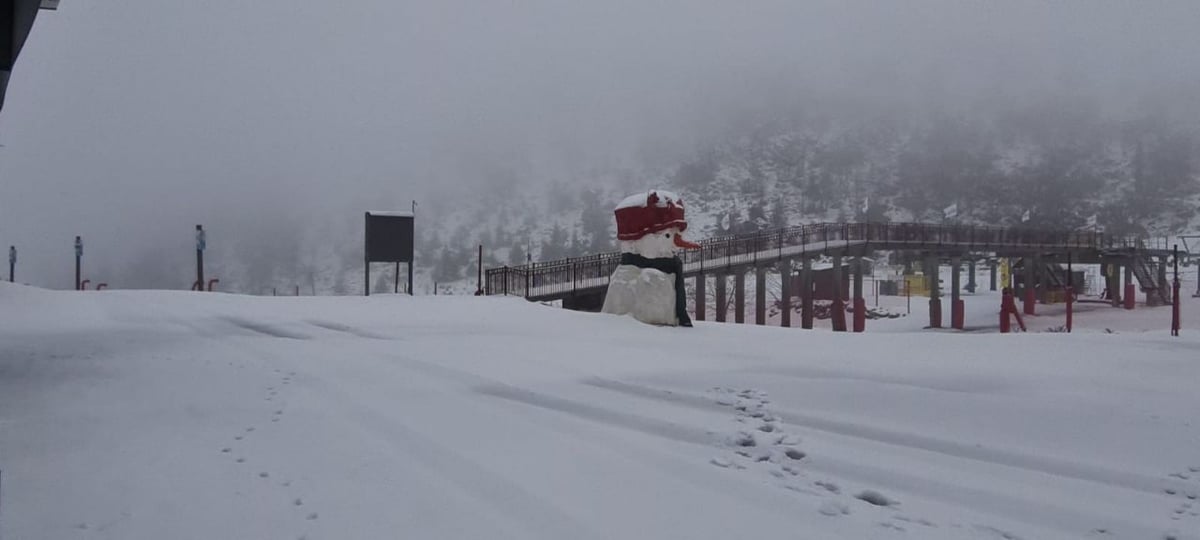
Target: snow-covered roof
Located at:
point(391, 213)
point(639, 199)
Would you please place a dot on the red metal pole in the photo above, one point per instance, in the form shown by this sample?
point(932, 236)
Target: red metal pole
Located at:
point(101, 286)
point(212, 282)
point(83, 284)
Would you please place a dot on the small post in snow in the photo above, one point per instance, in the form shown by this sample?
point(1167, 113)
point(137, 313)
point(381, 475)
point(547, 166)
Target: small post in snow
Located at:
point(479, 279)
point(1175, 294)
point(201, 244)
point(12, 262)
point(78, 260)
point(1070, 294)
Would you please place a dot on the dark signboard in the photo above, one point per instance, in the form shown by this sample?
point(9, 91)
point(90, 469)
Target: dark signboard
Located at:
point(389, 237)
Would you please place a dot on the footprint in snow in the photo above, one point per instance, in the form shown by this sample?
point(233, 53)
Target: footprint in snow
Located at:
point(874, 497)
point(721, 462)
point(226, 450)
point(298, 502)
point(238, 437)
point(834, 509)
point(829, 486)
point(918, 521)
point(263, 475)
point(794, 454)
point(788, 440)
point(241, 460)
point(312, 516)
point(249, 429)
point(745, 440)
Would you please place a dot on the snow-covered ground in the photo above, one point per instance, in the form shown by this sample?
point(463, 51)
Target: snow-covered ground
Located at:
point(150, 415)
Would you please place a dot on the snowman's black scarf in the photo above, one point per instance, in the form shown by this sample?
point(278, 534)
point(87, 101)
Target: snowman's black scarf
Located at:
point(666, 265)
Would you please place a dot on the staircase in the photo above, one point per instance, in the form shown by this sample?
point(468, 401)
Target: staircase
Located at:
point(1147, 278)
point(1054, 275)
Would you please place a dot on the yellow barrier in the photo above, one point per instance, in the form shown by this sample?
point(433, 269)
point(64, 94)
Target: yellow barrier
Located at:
point(915, 285)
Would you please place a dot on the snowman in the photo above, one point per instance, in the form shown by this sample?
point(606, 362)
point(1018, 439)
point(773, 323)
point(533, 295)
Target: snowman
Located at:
point(648, 284)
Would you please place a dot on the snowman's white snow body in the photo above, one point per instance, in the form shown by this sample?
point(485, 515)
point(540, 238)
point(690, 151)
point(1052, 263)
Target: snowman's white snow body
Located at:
point(647, 294)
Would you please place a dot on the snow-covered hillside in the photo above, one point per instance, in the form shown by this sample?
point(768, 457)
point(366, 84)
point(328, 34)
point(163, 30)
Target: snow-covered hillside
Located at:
point(148, 415)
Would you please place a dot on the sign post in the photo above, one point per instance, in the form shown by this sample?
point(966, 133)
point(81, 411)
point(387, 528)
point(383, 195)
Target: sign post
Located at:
point(201, 244)
point(78, 260)
point(1175, 293)
point(12, 262)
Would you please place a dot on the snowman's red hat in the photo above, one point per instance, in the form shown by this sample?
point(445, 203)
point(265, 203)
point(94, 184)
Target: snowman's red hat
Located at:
point(648, 213)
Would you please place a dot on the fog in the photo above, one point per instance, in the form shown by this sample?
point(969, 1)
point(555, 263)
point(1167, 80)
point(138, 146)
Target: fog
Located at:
point(130, 121)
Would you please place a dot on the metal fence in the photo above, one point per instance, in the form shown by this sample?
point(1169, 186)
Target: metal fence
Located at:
point(556, 278)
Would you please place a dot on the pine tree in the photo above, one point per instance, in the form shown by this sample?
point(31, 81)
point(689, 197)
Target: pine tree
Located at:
point(778, 218)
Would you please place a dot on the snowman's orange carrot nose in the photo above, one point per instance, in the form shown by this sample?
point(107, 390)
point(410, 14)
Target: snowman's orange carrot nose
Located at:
point(680, 242)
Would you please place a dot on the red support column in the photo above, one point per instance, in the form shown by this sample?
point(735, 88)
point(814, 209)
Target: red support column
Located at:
point(935, 312)
point(838, 314)
point(1030, 300)
point(957, 314)
point(1130, 296)
point(1008, 306)
point(860, 314)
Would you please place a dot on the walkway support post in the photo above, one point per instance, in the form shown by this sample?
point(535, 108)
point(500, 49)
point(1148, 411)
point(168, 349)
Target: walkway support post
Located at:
point(701, 296)
point(1112, 279)
point(722, 305)
point(760, 295)
point(956, 303)
point(739, 297)
point(932, 281)
point(970, 274)
point(838, 308)
point(992, 265)
point(1030, 285)
point(785, 293)
point(1130, 288)
point(860, 304)
point(806, 299)
point(1162, 277)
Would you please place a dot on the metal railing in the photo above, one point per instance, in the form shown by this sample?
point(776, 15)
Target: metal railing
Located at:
point(560, 277)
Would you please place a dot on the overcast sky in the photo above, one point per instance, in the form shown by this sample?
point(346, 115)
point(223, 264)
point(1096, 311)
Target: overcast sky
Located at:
point(129, 121)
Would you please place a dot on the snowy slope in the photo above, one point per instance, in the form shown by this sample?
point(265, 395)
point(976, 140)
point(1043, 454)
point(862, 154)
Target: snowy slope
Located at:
point(147, 415)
